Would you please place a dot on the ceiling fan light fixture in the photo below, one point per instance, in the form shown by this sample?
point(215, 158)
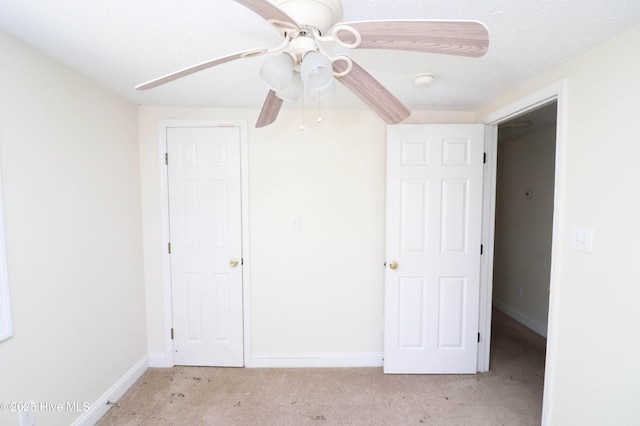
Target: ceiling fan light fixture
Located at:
point(277, 71)
point(325, 92)
point(316, 70)
point(292, 91)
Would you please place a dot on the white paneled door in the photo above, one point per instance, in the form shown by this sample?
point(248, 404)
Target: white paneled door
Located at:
point(204, 179)
point(433, 230)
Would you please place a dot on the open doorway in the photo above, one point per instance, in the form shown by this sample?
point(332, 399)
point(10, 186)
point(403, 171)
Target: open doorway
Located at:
point(525, 180)
point(555, 93)
point(522, 250)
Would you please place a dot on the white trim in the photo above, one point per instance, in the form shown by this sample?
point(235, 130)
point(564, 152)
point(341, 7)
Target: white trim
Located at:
point(486, 260)
point(556, 244)
point(246, 258)
point(168, 360)
point(6, 327)
point(554, 92)
point(115, 392)
point(523, 319)
point(159, 360)
point(316, 360)
point(535, 100)
point(164, 232)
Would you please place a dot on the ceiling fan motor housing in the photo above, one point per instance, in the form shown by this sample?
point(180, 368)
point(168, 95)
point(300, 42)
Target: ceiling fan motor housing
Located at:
point(301, 45)
point(319, 14)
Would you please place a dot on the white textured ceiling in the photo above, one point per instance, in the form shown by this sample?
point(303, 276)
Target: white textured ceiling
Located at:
point(122, 43)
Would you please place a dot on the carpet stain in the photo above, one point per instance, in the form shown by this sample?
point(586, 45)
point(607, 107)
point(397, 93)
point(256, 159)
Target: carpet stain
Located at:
point(318, 417)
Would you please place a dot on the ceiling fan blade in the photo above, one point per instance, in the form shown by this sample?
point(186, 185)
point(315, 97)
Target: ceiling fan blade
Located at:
point(199, 67)
point(270, 110)
point(462, 38)
point(271, 13)
point(391, 109)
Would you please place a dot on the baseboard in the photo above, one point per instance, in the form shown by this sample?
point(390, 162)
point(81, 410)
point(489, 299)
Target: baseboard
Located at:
point(159, 360)
point(521, 318)
point(314, 360)
point(115, 392)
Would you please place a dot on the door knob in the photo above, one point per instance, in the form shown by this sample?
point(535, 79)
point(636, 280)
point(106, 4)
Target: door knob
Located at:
point(393, 265)
point(233, 263)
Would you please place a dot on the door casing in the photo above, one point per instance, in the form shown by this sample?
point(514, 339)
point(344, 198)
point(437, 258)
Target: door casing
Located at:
point(166, 261)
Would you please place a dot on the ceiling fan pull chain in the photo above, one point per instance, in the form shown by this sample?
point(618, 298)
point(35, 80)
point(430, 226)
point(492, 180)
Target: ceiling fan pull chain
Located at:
point(302, 126)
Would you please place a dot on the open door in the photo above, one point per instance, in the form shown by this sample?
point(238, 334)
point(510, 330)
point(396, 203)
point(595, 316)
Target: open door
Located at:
point(433, 248)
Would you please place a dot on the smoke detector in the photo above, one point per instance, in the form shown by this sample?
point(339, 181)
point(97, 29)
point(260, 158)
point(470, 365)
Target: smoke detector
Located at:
point(423, 79)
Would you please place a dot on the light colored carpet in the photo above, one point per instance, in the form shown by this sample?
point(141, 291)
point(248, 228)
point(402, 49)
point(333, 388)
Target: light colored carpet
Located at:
point(509, 394)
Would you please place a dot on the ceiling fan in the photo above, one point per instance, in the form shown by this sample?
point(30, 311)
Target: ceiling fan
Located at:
point(305, 24)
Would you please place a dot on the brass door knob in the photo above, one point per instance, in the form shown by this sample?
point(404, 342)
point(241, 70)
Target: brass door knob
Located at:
point(233, 263)
point(393, 265)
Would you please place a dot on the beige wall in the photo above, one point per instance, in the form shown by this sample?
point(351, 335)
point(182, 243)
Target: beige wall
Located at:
point(594, 377)
point(319, 289)
point(70, 175)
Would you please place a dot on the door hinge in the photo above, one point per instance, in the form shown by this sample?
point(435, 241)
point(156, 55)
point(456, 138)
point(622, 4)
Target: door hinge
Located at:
point(484, 158)
point(478, 337)
point(172, 334)
point(481, 249)
point(169, 247)
point(166, 158)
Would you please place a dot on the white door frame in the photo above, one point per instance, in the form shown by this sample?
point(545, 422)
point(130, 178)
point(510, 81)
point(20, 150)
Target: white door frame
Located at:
point(554, 92)
point(164, 209)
